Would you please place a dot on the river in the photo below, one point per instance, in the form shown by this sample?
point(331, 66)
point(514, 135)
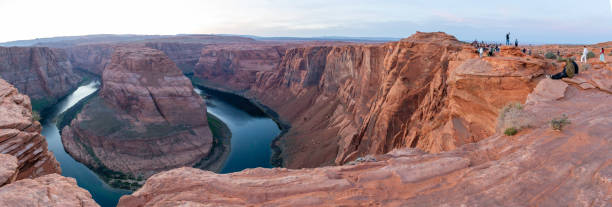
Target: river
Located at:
point(252, 133)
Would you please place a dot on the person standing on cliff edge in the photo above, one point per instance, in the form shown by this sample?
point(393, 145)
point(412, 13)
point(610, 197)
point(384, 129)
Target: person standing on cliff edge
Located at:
point(515, 42)
point(508, 38)
point(602, 57)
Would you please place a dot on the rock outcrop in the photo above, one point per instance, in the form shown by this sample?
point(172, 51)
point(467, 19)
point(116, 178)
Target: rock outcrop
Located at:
point(537, 167)
point(39, 72)
point(50, 190)
point(349, 100)
point(8, 170)
point(20, 135)
point(146, 119)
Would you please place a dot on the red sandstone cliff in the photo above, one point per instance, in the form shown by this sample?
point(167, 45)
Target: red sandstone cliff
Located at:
point(91, 58)
point(147, 118)
point(20, 135)
point(27, 168)
point(349, 100)
point(536, 167)
point(41, 73)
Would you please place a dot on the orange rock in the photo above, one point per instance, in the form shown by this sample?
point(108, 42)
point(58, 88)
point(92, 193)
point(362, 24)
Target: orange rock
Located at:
point(50, 190)
point(347, 100)
point(546, 168)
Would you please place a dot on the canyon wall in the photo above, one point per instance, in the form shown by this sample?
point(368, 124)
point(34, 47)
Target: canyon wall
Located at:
point(43, 74)
point(91, 58)
point(20, 135)
point(348, 100)
point(145, 119)
point(536, 167)
point(185, 55)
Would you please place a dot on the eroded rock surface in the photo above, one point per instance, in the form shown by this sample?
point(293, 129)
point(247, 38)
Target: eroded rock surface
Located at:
point(50, 190)
point(147, 118)
point(349, 100)
point(8, 169)
point(20, 135)
point(39, 72)
point(545, 167)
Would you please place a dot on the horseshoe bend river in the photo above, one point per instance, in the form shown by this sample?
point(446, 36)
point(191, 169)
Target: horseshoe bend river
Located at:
point(252, 133)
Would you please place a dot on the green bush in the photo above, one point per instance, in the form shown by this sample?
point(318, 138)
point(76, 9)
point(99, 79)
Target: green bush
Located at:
point(35, 116)
point(560, 122)
point(590, 55)
point(550, 55)
point(510, 131)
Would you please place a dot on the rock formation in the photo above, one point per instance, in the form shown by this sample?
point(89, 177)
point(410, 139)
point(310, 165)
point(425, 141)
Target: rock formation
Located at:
point(349, 100)
point(50, 190)
point(185, 55)
point(8, 170)
point(27, 168)
point(20, 135)
point(146, 118)
point(91, 58)
point(41, 73)
point(537, 167)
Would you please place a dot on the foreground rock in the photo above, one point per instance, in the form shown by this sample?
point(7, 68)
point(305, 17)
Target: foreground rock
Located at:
point(8, 169)
point(537, 167)
point(343, 101)
point(146, 119)
point(49, 190)
point(20, 135)
point(26, 167)
point(41, 73)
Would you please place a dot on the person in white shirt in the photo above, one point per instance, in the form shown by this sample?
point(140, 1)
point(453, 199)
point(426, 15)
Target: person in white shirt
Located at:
point(481, 50)
point(583, 59)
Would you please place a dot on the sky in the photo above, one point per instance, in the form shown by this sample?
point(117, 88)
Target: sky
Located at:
point(531, 21)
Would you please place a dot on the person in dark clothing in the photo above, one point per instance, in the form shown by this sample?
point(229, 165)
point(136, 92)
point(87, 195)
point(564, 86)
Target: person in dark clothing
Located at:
point(516, 42)
point(569, 70)
point(508, 38)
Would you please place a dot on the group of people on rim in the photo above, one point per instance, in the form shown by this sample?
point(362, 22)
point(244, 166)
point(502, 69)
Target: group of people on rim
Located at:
point(569, 70)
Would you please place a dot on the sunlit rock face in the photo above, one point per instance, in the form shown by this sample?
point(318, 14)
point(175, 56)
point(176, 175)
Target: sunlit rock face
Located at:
point(570, 167)
point(347, 100)
point(145, 119)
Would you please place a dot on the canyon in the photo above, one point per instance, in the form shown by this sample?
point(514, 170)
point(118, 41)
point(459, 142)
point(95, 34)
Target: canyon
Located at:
point(145, 119)
point(345, 101)
point(414, 122)
point(42, 73)
point(28, 170)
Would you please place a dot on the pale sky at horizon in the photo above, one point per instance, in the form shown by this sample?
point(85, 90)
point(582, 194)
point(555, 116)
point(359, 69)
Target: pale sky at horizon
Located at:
point(541, 21)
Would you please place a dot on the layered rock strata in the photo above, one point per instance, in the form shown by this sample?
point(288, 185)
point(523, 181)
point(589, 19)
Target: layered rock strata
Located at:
point(349, 100)
point(146, 119)
point(546, 168)
point(20, 135)
point(39, 72)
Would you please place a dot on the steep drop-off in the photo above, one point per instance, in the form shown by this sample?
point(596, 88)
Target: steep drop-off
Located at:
point(20, 135)
point(43, 74)
point(146, 119)
point(348, 100)
point(536, 167)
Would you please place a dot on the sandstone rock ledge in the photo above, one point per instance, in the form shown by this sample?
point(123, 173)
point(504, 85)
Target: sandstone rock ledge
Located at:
point(20, 135)
point(537, 167)
point(49, 190)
